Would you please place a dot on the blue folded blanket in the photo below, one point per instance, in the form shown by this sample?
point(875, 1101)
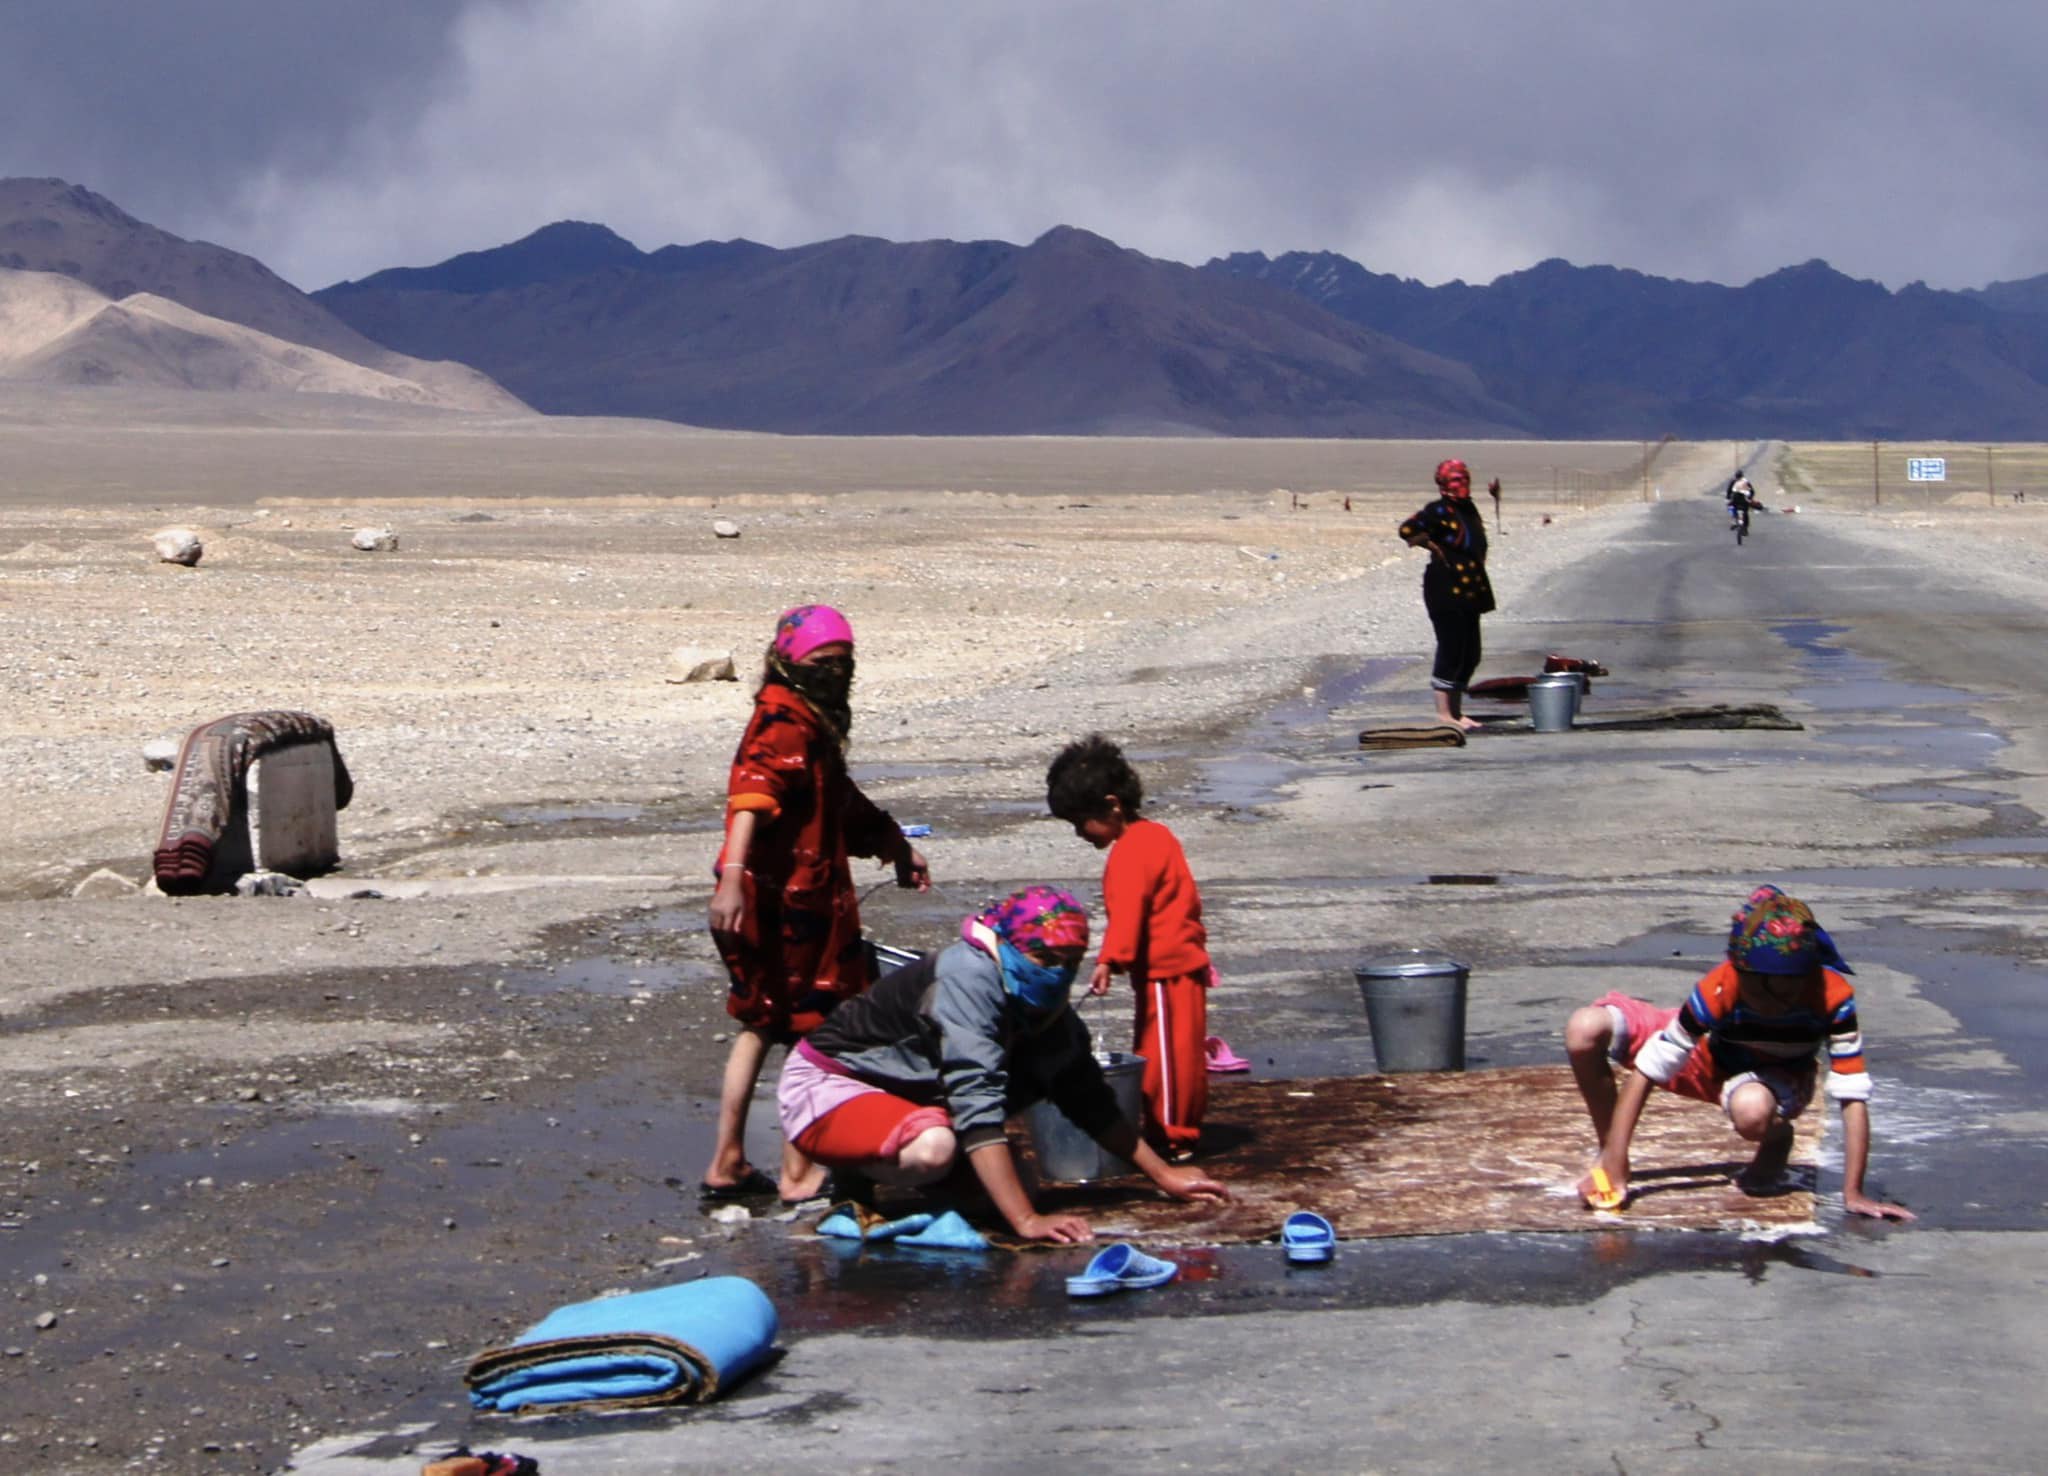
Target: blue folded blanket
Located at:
point(673, 1345)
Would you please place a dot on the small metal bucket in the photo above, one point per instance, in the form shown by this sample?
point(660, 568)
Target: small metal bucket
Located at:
point(885, 959)
point(1067, 1155)
point(1554, 702)
point(1415, 1004)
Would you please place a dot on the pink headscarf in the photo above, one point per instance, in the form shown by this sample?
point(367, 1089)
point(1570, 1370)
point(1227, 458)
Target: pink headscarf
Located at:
point(1037, 917)
point(801, 631)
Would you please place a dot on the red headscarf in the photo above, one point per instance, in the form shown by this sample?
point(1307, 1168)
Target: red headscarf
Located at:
point(1454, 477)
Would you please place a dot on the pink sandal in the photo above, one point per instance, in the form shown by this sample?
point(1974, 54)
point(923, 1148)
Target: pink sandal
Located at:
point(1222, 1059)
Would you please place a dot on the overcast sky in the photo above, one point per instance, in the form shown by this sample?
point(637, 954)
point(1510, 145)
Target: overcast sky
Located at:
point(1898, 139)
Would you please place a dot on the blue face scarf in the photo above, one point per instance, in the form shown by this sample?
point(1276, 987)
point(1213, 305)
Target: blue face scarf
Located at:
point(1040, 988)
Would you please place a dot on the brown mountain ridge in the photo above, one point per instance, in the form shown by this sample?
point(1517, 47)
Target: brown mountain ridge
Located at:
point(50, 227)
point(1071, 334)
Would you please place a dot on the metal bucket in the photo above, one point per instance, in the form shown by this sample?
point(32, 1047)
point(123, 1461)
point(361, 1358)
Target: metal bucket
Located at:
point(885, 959)
point(1067, 1155)
point(1415, 1004)
point(1554, 702)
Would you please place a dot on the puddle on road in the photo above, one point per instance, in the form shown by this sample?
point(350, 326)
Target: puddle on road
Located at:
point(1936, 728)
point(1999, 845)
point(616, 977)
point(584, 819)
point(568, 814)
point(1271, 750)
point(1931, 879)
point(1933, 794)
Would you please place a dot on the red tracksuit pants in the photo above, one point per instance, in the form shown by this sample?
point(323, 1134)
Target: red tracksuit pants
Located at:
point(1172, 1034)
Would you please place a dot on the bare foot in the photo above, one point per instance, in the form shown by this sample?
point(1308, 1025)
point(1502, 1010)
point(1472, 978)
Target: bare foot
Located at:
point(731, 1175)
point(809, 1186)
point(1766, 1171)
point(1468, 724)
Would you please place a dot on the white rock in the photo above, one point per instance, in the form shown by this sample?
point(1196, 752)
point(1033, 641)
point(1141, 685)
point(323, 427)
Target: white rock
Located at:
point(178, 546)
point(701, 664)
point(269, 884)
point(159, 754)
point(732, 1214)
point(374, 540)
point(104, 883)
point(726, 528)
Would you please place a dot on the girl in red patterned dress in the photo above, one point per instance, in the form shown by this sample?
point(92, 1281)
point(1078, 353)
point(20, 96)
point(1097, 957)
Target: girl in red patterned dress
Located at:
point(785, 915)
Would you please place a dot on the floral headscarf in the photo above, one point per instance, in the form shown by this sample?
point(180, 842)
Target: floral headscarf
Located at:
point(1034, 919)
point(1775, 934)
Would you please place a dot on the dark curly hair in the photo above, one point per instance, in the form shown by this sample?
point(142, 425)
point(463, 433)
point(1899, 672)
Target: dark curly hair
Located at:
point(1086, 775)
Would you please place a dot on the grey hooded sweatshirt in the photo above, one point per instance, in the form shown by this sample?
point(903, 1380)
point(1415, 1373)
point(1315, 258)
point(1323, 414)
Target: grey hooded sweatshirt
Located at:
point(943, 1031)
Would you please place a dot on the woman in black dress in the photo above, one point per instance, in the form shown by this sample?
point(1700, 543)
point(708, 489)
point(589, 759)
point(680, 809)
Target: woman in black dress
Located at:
point(1455, 589)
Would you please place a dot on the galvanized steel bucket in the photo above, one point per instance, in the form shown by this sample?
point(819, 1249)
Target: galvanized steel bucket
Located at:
point(1067, 1155)
point(1554, 701)
point(1415, 1004)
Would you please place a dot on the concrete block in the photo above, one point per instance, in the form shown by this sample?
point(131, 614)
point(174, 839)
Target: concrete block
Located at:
point(291, 811)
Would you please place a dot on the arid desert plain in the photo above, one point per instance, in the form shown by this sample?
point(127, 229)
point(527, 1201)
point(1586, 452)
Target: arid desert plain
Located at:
point(273, 1166)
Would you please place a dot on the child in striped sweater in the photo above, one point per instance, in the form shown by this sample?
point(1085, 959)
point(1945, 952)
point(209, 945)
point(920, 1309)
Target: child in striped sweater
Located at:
point(1746, 1039)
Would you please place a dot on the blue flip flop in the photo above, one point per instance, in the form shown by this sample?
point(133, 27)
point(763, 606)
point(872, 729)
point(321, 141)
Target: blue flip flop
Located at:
point(1121, 1267)
point(1308, 1237)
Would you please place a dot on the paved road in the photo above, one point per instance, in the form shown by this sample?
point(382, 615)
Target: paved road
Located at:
point(1909, 812)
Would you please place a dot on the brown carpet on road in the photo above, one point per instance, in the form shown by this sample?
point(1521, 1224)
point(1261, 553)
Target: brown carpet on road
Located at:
point(1440, 1154)
point(1428, 735)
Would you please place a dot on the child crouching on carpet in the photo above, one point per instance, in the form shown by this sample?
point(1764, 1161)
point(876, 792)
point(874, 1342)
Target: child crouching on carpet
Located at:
point(901, 1081)
point(1746, 1040)
point(1154, 934)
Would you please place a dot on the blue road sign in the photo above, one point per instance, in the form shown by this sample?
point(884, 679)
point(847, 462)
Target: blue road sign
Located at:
point(1927, 468)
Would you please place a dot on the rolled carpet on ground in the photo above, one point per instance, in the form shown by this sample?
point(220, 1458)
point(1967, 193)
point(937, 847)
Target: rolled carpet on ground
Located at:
point(683, 1344)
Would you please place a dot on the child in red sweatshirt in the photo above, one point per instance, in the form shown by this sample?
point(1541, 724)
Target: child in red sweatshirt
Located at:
point(1154, 934)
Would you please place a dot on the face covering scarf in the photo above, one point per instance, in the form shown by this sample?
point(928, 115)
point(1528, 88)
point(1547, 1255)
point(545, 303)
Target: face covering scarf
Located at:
point(1040, 988)
point(826, 685)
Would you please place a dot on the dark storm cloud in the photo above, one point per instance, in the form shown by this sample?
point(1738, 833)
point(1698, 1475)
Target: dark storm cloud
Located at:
point(168, 107)
point(1460, 139)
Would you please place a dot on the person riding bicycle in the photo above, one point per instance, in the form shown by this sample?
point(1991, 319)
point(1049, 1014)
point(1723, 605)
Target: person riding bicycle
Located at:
point(1742, 500)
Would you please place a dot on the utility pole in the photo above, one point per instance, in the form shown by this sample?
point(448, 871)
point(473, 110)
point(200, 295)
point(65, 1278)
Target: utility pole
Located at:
point(1876, 485)
point(1646, 471)
point(1990, 478)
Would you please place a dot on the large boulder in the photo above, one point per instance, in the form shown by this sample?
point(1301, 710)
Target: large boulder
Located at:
point(178, 546)
point(374, 540)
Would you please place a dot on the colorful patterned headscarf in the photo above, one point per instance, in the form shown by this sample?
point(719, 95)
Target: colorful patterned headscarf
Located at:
point(1035, 918)
point(1454, 477)
point(801, 631)
point(1776, 934)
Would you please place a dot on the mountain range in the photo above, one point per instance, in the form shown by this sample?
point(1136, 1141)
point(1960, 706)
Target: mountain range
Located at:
point(1075, 334)
point(1069, 334)
point(159, 311)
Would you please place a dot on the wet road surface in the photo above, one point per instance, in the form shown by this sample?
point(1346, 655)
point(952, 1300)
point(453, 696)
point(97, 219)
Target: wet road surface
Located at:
point(1686, 1341)
point(1908, 812)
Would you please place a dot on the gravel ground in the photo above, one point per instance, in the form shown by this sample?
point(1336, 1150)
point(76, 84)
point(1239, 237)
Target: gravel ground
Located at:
point(224, 1118)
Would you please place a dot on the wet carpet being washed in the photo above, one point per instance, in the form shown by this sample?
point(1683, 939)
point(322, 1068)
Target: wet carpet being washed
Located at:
point(1444, 1153)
